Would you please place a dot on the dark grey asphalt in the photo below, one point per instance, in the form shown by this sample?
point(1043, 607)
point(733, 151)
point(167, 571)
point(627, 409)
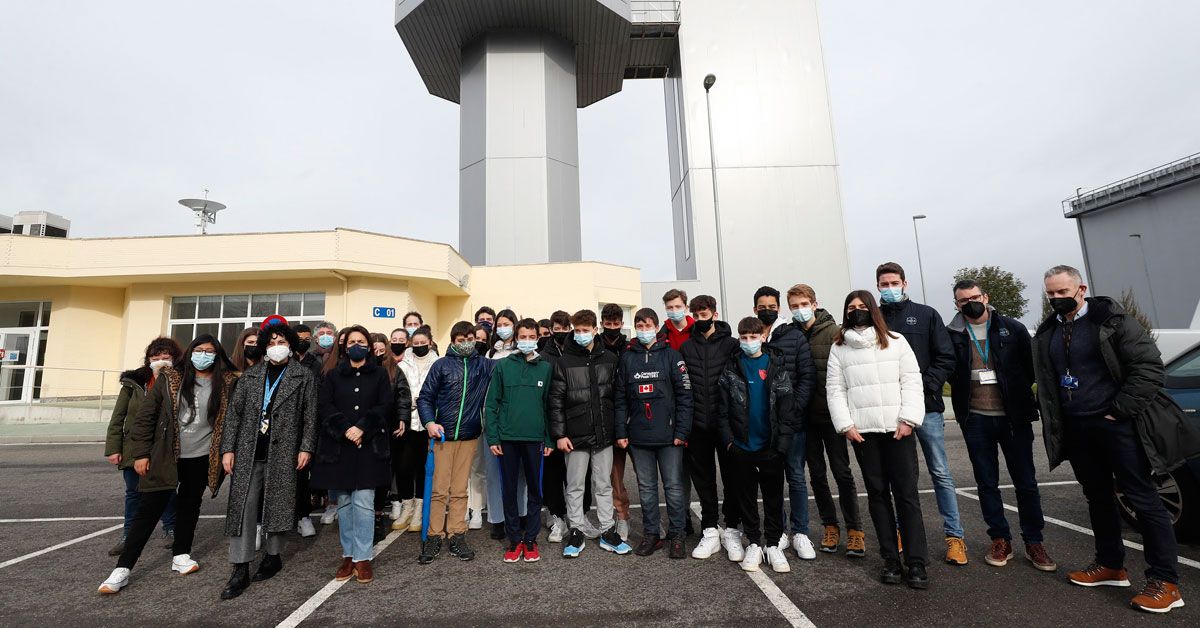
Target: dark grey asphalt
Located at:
point(598, 589)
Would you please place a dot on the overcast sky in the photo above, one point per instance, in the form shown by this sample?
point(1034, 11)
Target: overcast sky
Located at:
point(310, 115)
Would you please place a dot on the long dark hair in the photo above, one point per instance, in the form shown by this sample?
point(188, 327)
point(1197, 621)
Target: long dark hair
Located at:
point(336, 352)
point(493, 338)
point(882, 334)
point(220, 366)
point(239, 359)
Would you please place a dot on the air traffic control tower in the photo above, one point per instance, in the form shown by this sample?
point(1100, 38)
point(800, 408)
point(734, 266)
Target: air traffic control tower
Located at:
point(520, 68)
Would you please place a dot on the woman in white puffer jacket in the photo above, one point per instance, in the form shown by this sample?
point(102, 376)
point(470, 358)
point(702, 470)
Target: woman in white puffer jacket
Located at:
point(876, 399)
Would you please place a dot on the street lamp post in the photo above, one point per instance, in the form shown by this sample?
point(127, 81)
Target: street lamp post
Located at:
point(920, 265)
point(709, 81)
point(1146, 270)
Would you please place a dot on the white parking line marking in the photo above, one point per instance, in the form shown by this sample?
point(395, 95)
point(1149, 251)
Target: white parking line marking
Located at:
point(1082, 530)
point(59, 546)
point(781, 601)
point(57, 519)
point(327, 591)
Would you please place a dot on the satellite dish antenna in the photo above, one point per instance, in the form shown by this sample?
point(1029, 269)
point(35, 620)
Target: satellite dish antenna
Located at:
point(205, 210)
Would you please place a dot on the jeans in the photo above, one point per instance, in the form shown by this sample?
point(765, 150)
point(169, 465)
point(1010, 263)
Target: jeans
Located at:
point(193, 479)
point(650, 463)
point(356, 522)
point(984, 434)
point(133, 496)
point(824, 441)
point(889, 470)
point(931, 435)
point(797, 485)
point(752, 471)
point(597, 463)
point(703, 453)
point(521, 467)
point(1104, 453)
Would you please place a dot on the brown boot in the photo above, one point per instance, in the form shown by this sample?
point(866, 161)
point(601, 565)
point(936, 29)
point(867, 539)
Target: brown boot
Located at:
point(856, 543)
point(1096, 575)
point(345, 570)
point(364, 571)
point(829, 542)
point(999, 553)
point(956, 551)
point(1038, 556)
point(1157, 597)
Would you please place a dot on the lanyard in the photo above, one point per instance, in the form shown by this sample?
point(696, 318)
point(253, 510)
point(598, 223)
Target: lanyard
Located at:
point(269, 389)
point(986, 348)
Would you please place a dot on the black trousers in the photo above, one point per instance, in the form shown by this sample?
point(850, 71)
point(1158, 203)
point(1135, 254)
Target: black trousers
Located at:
point(554, 485)
point(703, 453)
point(824, 441)
point(889, 469)
point(1104, 453)
point(408, 464)
point(754, 471)
point(303, 498)
point(193, 478)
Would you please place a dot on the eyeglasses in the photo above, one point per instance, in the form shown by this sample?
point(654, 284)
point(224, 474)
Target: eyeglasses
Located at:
point(978, 298)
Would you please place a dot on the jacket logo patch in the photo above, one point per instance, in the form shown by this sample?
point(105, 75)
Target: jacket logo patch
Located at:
point(644, 389)
point(1003, 332)
point(762, 374)
point(682, 367)
point(911, 320)
point(540, 384)
point(646, 375)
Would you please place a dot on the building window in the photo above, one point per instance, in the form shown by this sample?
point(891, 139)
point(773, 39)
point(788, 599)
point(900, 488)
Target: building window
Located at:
point(24, 328)
point(225, 316)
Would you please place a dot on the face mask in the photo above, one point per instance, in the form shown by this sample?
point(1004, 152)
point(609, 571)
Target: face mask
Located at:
point(802, 315)
point(158, 364)
point(647, 336)
point(203, 361)
point(504, 332)
point(486, 325)
point(303, 346)
point(278, 353)
point(975, 309)
point(421, 351)
point(411, 330)
point(357, 352)
point(891, 295)
point(676, 315)
point(611, 335)
point(325, 341)
point(542, 342)
point(1063, 305)
point(480, 347)
point(584, 339)
point(559, 337)
point(751, 347)
point(768, 317)
point(527, 346)
point(398, 348)
point(702, 326)
point(464, 349)
point(252, 352)
point(858, 318)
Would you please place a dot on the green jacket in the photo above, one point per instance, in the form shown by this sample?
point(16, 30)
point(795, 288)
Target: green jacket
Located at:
point(515, 407)
point(133, 391)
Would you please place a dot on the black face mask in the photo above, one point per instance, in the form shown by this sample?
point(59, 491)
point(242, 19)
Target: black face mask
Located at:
point(398, 348)
point(303, 346)
point(611, 335)
point(768, 317)
point(252, 352)
point(858, 318)
point(481, 347)
point(702, 326)
point(1063, 305)
point(974, 309)
point(560, 337)
point(486, 325)
point(421, 351)
point(542, 342)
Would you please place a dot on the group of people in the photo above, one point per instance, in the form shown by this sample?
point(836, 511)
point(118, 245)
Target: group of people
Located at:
point(521, 414)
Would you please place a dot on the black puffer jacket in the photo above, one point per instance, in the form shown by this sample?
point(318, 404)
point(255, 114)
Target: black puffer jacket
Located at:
point(922, 327)
point(733, 409)
point(797, 358)
point(654, 396)
point(820, 341)
point(582, 396)
point(401, 403)
point(706, 358)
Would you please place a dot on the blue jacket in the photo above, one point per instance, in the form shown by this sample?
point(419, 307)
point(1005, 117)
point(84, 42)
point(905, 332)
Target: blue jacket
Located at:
point(922, 327)
point(654, 396)
point(453, 395)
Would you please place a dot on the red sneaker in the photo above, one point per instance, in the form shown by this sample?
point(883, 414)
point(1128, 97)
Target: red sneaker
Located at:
point(531, 552)
point(514, 552)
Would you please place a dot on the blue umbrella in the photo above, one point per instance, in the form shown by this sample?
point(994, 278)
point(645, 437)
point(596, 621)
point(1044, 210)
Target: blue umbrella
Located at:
point(428, 489)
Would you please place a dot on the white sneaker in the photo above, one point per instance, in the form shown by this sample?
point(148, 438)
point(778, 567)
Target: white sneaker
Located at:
point(779, 563)
point(588, 530)
point(476, 521)
point(305, 526)
point(753, 559)
point(804, 547)
point(258, 537)
point(329, 515)
point(117, 580)
point(784, 542)
point(558, 530)
point(396, 510)
point(709, 543)
point(731, 538)
point(623, 529)
point(184, 564)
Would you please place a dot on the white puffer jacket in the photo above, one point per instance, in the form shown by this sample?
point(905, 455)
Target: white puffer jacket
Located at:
point(414, 370)
point(873, 389)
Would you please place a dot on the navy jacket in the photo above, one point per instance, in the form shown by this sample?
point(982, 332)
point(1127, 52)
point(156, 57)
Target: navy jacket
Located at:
point(1011, 349)
point(798, 360)
point(654, 396)
point(733, 404)
point(442, 399)
point(922, 327)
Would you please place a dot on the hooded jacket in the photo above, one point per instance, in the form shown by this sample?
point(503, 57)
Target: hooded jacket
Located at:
point(797, 357)
point(654, 396)
point(733, 403)
point(453, 394)
point(706, 359)
point(133, 391)
point(517, 399)
point(581, 396)
point(870, 388)
point(922, 327)
point(675, 338)
point(1010, 350)
point(820, 340)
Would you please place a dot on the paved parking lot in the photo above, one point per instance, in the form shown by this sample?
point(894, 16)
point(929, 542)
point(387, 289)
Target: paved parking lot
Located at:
point(60, 511)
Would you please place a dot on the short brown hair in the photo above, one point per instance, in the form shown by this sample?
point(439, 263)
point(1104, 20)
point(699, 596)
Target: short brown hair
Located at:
point(889, 268)
point(703, 302)
point(462, 328)
point(674, 293)
point(526, 323)
point(612, 312)
point(751, 325)
point(646, 314)
point(560, 318)
point(583, 317)
point(803, 290)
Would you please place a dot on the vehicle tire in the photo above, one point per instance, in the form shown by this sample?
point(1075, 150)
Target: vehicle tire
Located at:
point(1180, 492)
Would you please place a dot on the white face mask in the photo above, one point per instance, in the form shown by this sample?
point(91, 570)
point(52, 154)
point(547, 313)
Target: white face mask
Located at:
point(278, 353)
point(157, 365)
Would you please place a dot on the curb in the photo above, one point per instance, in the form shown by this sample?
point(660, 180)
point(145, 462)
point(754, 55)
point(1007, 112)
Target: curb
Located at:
point(55, 439)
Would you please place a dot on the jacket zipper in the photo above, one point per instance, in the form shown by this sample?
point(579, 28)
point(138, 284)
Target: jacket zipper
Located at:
point(462, 401)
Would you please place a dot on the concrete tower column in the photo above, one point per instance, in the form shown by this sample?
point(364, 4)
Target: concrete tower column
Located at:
point(518, 150)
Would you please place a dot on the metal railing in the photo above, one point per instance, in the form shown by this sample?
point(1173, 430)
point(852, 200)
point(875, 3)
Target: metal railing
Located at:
point(56, 394)
point(653, 11)
point(1166, 175)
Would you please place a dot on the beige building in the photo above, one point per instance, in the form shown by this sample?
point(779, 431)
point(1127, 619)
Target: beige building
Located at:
point(72, 309)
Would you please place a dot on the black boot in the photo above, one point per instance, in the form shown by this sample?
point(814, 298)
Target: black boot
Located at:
point(238, 581)
point(498, 531)
point(917, 578)
point(270, 565)
point(891, 573)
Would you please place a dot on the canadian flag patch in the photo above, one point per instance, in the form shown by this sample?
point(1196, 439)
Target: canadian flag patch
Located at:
point(645, 388)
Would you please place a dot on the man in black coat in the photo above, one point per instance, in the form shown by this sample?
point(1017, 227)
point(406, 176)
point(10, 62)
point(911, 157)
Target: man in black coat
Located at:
point(992, 392)
point(706, 352)
point(1100, 377)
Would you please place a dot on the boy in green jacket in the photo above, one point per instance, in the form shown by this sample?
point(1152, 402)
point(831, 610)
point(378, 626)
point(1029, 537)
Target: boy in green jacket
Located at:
point(515, 421)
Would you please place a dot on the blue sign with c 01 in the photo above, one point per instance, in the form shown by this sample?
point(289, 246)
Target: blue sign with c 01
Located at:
point(383, 312)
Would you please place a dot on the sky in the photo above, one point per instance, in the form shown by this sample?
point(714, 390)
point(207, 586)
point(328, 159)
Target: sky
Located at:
point(310, 115)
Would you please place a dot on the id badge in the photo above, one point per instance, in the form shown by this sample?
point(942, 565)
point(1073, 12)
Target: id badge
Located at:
point(986, 376)
point(1069, 382)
